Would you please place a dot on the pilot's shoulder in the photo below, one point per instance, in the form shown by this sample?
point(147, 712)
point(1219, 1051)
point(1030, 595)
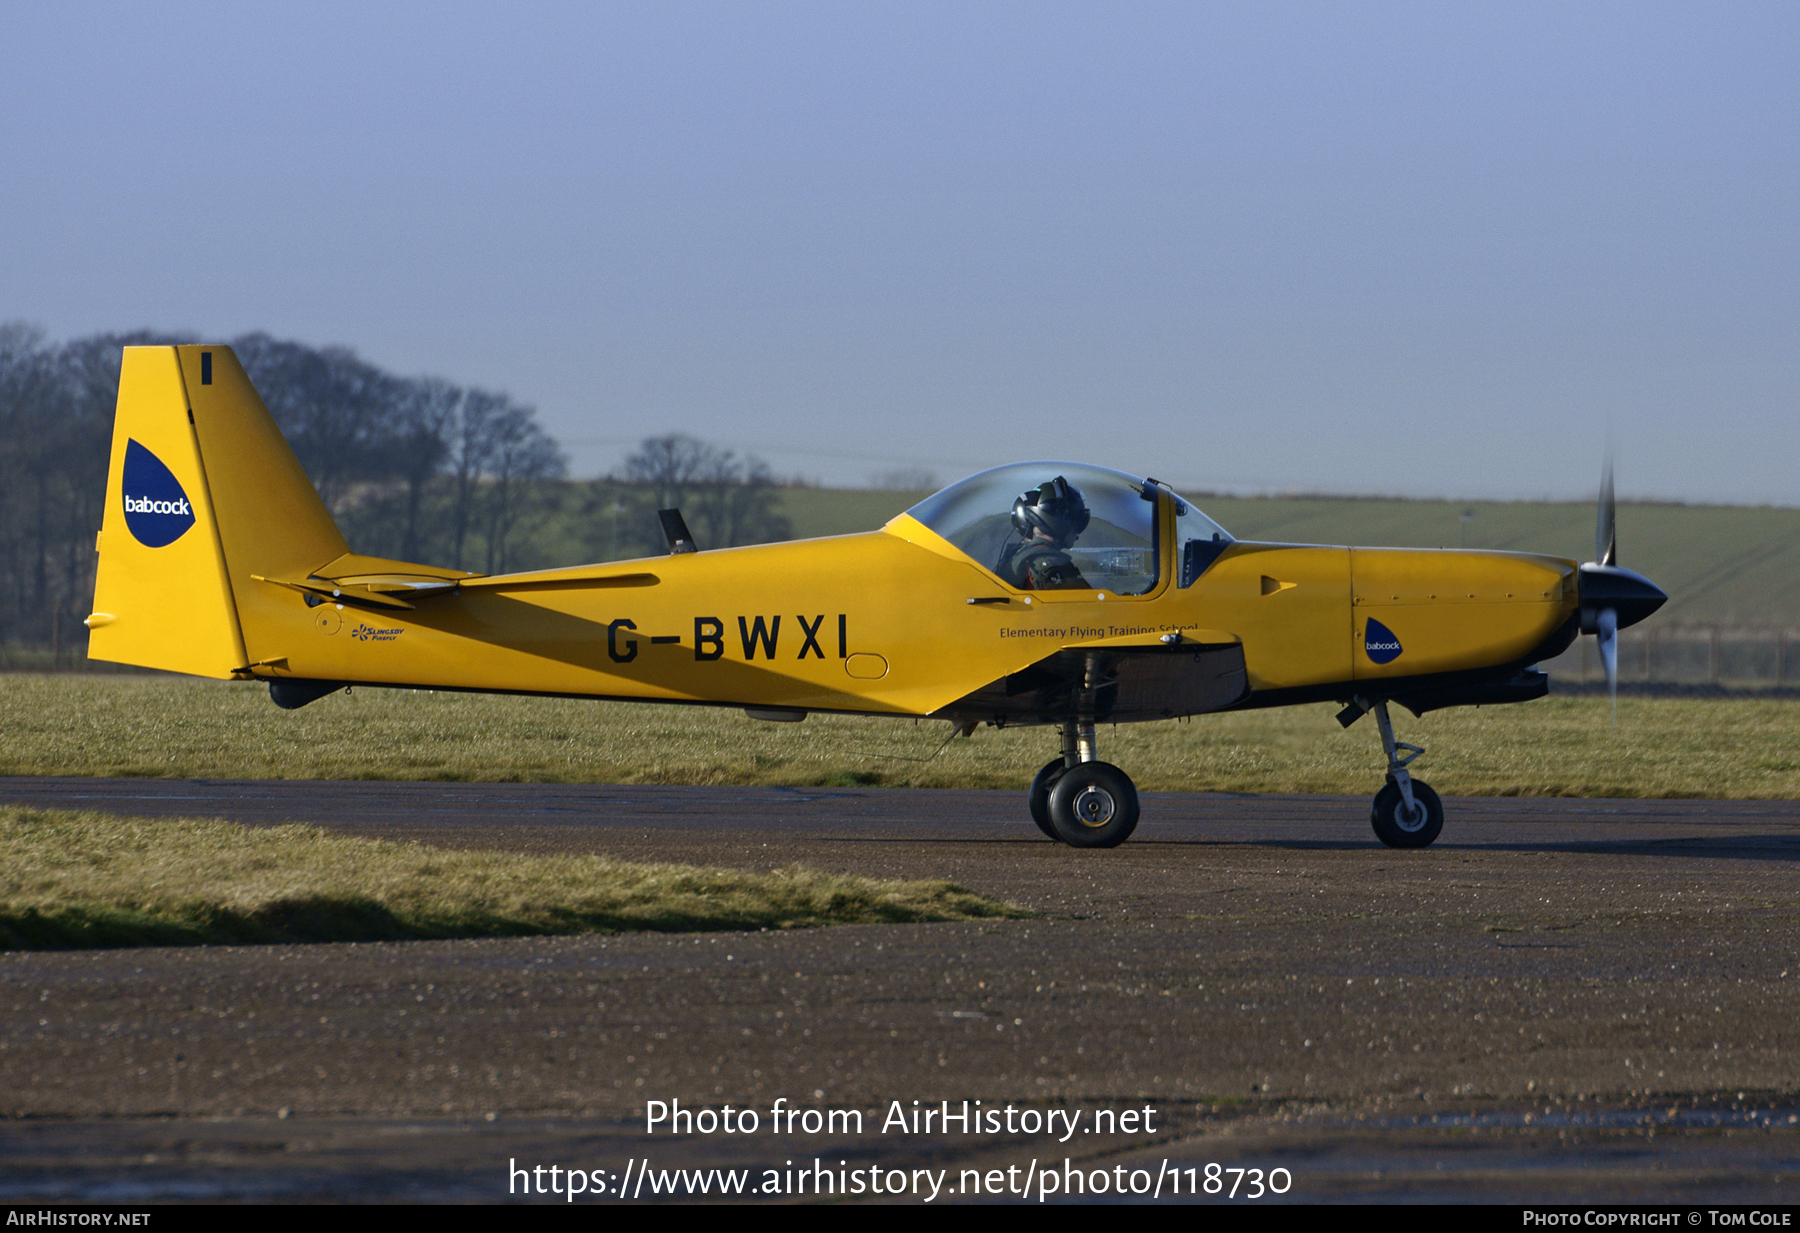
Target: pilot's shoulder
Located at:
point(1051, 567)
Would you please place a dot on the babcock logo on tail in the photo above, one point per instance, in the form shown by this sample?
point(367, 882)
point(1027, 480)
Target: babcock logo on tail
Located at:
point(1380, 644)
point(156, 508)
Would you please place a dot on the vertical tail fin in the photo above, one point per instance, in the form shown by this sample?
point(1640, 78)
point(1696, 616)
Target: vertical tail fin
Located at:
point(202, 493)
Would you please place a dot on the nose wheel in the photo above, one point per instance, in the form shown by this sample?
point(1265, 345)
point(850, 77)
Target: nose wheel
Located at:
point(1399, 824)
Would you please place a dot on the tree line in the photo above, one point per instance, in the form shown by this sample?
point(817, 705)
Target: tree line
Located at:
point(413, 468)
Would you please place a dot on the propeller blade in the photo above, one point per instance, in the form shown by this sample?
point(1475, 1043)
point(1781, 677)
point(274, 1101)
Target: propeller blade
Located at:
point(1608, 631)
point(1606, 541)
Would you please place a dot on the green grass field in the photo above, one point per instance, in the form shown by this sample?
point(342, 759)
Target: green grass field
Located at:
point(174, 726)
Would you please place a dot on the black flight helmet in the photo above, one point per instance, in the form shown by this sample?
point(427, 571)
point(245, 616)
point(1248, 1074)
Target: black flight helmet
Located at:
point(1056, 508)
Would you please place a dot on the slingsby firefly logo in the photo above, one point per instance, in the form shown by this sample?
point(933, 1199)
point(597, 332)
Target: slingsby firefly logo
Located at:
point(156, 508)
point(1380, 644)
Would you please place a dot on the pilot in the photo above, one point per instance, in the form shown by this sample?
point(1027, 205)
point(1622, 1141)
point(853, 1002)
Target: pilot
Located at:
point(1048, 520)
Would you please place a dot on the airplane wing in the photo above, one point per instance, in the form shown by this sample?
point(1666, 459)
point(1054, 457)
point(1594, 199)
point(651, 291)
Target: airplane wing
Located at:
point(1116, 680)
point(399, 587)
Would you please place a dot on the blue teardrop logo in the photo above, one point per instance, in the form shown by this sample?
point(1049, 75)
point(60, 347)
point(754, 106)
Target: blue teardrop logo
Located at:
point(156, 508)
point(1379, 643)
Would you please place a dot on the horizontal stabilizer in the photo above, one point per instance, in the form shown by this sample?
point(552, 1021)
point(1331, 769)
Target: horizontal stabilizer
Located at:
point(379, 592)
point(560, 579)
point(403, 591)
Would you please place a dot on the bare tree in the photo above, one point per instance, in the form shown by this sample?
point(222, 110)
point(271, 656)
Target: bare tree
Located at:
point(338, 413)
point(428, 409)
point(27, 393)
point(732, 498)
point(736, 501)
point(499, 461)
point(670, 465)
point(471, 446)
point(521, 459)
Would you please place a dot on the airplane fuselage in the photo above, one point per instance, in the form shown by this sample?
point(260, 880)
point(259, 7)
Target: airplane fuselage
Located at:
point(899, 622)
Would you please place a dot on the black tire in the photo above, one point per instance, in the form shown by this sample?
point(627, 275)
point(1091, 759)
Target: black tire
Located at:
point(1094, 805)
point(1040, 797)
point(1392, 825)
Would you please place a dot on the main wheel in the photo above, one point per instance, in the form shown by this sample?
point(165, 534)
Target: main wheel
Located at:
point(1399, 829)
point(1040, 797)
point(1093, 805)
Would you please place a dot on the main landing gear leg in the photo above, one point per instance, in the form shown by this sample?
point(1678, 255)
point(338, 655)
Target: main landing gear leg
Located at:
point(1081, 800)
point(1406, 813)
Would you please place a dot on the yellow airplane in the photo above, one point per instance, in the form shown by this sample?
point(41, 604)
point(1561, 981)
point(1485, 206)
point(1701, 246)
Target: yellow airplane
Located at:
point(1041, 593)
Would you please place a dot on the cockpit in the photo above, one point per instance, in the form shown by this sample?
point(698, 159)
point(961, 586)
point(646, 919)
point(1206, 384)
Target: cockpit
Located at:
point(1118, 548)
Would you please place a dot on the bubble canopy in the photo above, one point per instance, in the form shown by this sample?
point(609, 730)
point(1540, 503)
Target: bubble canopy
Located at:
point(1118, 550)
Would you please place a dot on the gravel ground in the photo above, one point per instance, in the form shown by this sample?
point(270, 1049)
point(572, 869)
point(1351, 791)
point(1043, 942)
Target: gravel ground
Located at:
point(1562, 1000)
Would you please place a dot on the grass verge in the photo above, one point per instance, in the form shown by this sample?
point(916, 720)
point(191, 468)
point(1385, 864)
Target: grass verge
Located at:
point(1560, 746)
point(82, 880)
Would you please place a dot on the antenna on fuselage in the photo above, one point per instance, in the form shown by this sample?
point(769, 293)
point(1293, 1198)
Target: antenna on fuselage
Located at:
point(675, 530)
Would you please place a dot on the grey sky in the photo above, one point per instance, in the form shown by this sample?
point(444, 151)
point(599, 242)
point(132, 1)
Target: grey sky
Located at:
point(1423, 250)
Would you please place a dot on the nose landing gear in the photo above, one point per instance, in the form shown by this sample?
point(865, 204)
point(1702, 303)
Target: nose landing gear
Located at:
point(1406, 813)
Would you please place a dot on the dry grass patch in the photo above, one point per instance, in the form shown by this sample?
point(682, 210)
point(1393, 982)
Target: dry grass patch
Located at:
point(93, 880)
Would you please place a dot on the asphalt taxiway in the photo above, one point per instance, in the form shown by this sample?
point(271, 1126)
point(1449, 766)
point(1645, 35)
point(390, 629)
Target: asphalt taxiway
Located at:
point(1561, 1000)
